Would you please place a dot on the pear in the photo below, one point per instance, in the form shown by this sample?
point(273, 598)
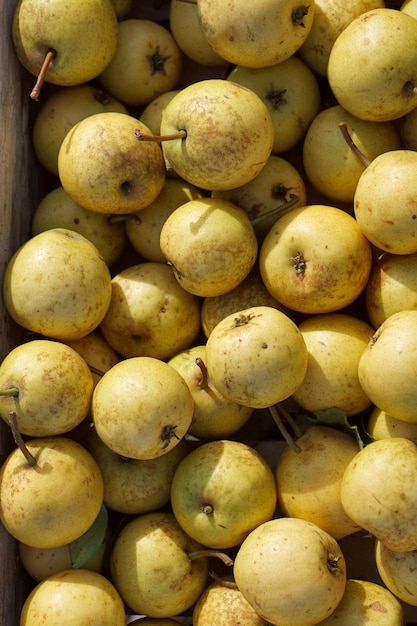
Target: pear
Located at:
point(120, 174)
point(256, 35)
point(291, 93)
point(143, 229)
point(384, 202)
point(74, 596)
point(95, 350)
point(73, 285)
point(357, 67)
point(386, 368)
point(146, 64)
point(150, 314)
point(154, 621)
point(330, 165)
point(58, 210)
point(256, 356)
point(381, 425)
point(214, 416)
point(377, 492)
point(60, 112)
point(392, 286)
point(122, 8)
point(250, 292)
point(277, 182)
point(330, 19)
point(221, 491)
point(134, 486)
point(315, 259)
point(398, 572)
point(309, 481)
point(51, 491)
point(151, 114)
point(48, 384)
point(226, 144)
point(210, 244)
point(81, 37)
point(142, 408)
point(364, 603)
point(292, 572)
point(155, 566)
point(335, 343)
point(224, 605)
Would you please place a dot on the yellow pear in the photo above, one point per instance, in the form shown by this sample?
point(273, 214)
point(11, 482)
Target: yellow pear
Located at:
point(365, 603)
point(75, 596)
point(309, 481)
point(377, 492)
point(381, 425)
point(224, 605)
point(96, 352)
point(398, 571)
point(335, 343)
point(292, 572)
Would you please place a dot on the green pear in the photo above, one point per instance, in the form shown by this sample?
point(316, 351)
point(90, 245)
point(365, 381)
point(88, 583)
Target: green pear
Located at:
point(82, 37)
point(104, 167)
point(58, 210)
point(221, 491)
point(335, 343)
point(291, 92)
point(315, 259)
point(372, 65)
point(215, 416)
point(250, 292)
point(366, 602)
point(226, 144)
point(276, 183)
point(377, 492)
point(291, 571)
point(60, 112)
point(392, 286)
point(210, 244)
point(384, 204)
point(256, 35)
point(142, 408)
point(49, 386)
point(143, 229)
point(331, 166)
point(74, 596)
point(386, 369)
point(224, 605)
point(133, 486)
point(51, 491)
point(398, 571)
point(256, 356)
point(330, 18)
point(309, 481)
point(150, 314)
point(73, 285)
point(151, 114)
point(122, 8)
point(146, 64)
point(154, 567)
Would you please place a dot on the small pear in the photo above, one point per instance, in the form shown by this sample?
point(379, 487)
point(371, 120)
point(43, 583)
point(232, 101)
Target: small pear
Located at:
point(381, 425)
point(224, 605)
point(398, 571)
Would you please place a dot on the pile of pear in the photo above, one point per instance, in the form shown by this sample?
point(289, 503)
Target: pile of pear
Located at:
point(213, 406)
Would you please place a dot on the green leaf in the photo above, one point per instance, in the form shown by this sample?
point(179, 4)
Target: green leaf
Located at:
point(83, 548)
point(337, 419)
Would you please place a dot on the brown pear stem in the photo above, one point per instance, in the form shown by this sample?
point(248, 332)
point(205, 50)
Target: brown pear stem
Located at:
point(181, 134)
point(284, 432)
point(297, 430)
point(221, 581)
point(347, 137)
point(281, 208)
point(19, 439)
point(203, 384)
point(96, 371)
point(12, 391)
point(201, 554)
point(50, 55)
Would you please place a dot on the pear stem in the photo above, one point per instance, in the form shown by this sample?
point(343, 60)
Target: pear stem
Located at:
point(347, 137)
point(284, 432)
point(181, 134)
point(281, 208)
point(200, 554)
point(221, 581)
point(17, 436)
point(13, 391)
point(50, 55)
point(203, 384)
point(297, 430)
point(95, 370)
